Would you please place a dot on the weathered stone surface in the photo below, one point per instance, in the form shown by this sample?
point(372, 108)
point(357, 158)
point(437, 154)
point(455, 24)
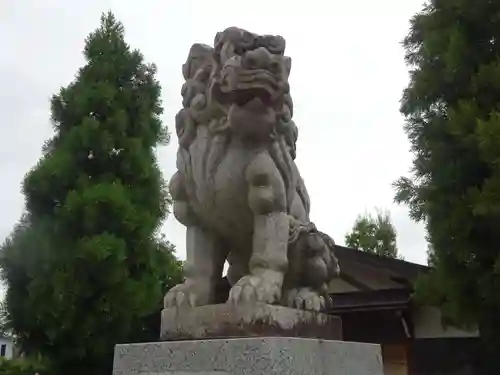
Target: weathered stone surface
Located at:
point(225, 320)
point(237, 188)
point(250, 356)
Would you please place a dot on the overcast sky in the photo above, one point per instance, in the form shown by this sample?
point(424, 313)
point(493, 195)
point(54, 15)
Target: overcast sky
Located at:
point(347, 77)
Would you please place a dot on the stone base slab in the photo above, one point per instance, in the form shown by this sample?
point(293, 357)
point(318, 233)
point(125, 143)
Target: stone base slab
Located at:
point(249, 356)
point(256, 320)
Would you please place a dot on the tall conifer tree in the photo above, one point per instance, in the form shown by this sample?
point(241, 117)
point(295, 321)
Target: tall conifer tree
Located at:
point(452, 107)
point(85, 268)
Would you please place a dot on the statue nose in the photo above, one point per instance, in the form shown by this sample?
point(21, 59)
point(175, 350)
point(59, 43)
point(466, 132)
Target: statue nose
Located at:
point(259, 58)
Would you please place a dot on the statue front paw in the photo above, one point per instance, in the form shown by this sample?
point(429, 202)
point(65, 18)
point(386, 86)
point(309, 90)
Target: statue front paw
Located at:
point(255, 289)
point(187, 294)
point(307, 299)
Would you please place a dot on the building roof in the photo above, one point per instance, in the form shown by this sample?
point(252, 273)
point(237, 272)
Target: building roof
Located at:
point(372, 272)
point(368, 281)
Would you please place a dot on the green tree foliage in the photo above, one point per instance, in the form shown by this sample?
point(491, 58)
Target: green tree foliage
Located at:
point(85, 267)
point(452, 108)
point(21, 366)
point(374, 234)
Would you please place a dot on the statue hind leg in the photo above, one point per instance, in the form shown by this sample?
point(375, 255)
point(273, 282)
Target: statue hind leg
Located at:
point(268, 262)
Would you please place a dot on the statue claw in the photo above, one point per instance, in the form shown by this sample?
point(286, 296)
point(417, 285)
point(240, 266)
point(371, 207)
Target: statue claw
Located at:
point(188, 294)
point(305, 299)
point(251, 289)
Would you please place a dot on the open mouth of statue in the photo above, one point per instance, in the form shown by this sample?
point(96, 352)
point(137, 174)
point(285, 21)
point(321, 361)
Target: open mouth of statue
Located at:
point(256, 84)
point(244, 96)
point(253, 84)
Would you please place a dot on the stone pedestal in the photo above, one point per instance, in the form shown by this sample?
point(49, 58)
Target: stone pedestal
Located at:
point(249, 356)
point(255, 320)
point(248, 340)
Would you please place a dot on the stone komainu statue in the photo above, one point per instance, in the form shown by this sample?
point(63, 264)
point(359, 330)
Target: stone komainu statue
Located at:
point(237, 188)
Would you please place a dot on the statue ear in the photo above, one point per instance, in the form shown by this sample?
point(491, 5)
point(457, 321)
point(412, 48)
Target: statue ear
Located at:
point(217, 38)
point(288, 65)
point(186, 69)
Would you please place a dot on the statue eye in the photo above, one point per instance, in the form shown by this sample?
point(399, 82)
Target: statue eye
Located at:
point(246, 40)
